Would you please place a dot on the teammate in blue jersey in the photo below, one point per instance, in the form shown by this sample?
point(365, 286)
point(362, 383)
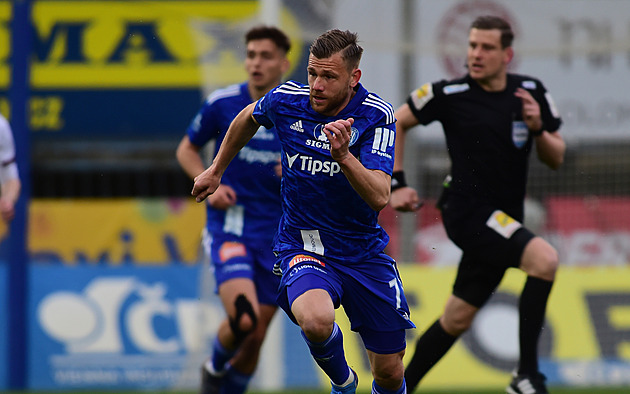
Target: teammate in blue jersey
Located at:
point(492, 120)
point(242, 215)
point(337, 157)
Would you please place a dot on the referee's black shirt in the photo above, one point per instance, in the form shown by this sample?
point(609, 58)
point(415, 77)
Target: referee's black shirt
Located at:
point(487, 140)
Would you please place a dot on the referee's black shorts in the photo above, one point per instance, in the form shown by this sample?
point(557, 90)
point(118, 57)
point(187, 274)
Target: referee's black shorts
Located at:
point(491, 242)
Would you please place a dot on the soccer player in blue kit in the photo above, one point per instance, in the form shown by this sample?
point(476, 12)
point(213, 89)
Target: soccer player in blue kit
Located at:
point(337, 156)
point(491, 119)
point(242, 215)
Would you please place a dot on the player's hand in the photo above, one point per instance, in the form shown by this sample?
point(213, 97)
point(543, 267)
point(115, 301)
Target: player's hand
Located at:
point(7, 209)
point(405, 199)
point(339, 133)
point(205, 184)
point(223, 198)
point(531, 109)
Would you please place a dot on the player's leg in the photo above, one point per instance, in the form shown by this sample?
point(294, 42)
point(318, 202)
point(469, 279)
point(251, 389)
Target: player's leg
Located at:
point(244, 363)
point(315, 313)
point(474, 284)
point(309, 293)
point(540, 262)
point(385, 350)
point(439, 338)
point(242, 366)
point(234, 276)
point(377, 308)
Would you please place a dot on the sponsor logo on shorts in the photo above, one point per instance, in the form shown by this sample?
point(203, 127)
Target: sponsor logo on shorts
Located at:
point(299, 268)
point(503, 224)
point(301, 258)
point(229, 250)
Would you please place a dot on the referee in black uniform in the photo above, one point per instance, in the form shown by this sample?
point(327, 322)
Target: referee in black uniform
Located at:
point(491, 120)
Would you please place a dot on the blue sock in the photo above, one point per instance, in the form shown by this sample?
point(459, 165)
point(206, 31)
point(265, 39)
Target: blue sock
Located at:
point(235, 382)
point(220, 355)
point(330, 356)
point(376, 389)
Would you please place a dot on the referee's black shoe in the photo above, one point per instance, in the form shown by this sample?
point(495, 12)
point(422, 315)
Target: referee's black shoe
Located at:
point(527, 384)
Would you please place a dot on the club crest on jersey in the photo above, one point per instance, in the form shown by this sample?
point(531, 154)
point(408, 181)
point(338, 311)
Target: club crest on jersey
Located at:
point(320, 136)
point(318, 133)
point(229, 250)
point(303, 258)
point(520, 134)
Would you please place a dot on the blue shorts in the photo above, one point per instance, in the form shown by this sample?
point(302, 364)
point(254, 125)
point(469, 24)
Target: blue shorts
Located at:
point(233, 257)
point(371, 292)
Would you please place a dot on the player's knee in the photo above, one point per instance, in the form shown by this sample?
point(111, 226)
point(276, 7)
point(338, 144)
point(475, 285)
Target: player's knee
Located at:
point(456, 324)
point(545, 263)
point(245, 320)
point(317, 328)
point(389, 377)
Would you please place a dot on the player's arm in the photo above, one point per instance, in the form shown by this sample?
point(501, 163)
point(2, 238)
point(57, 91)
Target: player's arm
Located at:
point(11, 188)
point(550, 147)
point(403, 198)
point(241, 130)
point(189, 158)
point(372, 185)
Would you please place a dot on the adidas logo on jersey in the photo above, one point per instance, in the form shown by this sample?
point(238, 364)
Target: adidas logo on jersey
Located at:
point(297, 126)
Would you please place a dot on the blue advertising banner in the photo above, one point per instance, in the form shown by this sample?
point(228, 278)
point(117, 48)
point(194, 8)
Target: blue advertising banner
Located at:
point(112, 327)
point(3, 324)
point(134, 327)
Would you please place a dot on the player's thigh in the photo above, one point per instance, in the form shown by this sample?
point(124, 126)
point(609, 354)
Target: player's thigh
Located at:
point(488, 251)
point(373, 295)
point(232, 289)
point(303, 273)
point(265, 280)
point(231, 258)
point(540, 259)
point(458, 315)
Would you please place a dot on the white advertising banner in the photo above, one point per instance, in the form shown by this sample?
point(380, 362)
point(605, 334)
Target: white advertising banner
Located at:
point(580, 49)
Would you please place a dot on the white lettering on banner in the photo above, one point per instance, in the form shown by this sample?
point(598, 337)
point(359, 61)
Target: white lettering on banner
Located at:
point(140, 321)
point(100, 307)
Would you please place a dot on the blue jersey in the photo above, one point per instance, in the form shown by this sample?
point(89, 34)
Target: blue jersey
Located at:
point(322, 213)
point(251, 174)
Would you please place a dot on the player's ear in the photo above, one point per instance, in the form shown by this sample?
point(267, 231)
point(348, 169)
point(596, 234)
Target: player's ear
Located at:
point(354, 77)
point(509, 55)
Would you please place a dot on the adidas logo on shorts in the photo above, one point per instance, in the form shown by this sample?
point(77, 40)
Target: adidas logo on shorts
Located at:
point(297, 126)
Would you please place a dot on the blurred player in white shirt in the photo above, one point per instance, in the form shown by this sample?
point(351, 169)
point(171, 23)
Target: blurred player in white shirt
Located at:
point(10, 184)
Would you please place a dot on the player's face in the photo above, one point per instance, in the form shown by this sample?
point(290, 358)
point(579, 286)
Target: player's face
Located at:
point(487, 60)
point(265, 63)
point(331, 84)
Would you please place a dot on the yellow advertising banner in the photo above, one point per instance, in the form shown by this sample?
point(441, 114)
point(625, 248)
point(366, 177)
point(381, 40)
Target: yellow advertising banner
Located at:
point(585, 342)
point(138, 44)
point(115, 231)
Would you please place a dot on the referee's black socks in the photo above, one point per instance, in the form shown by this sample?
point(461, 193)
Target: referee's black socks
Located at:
point(430, 348)
point(532, 306)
